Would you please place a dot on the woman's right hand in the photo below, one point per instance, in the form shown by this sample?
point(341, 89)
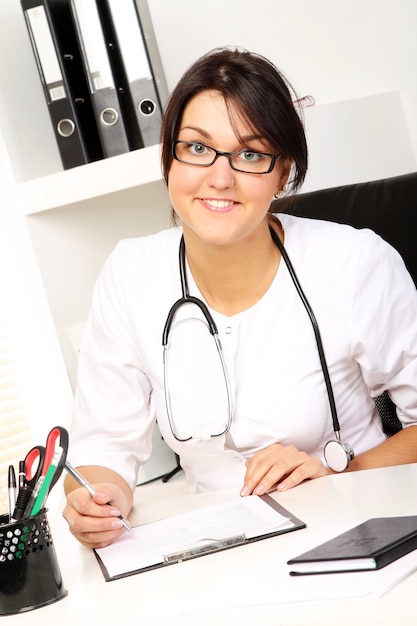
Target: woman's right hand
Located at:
point(93, 521)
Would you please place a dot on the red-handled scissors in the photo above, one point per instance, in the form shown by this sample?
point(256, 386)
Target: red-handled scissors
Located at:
point(37, 482)
point(39, 458)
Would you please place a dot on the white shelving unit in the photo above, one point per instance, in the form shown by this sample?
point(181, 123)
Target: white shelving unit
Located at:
point(85, 182)
point(71, 220)
point(34, 157)
point(76, 216)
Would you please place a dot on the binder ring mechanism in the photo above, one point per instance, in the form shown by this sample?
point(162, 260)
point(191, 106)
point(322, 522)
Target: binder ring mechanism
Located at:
point(147, 107)
point(109, 116)
point(214, 546)
point(65, 127)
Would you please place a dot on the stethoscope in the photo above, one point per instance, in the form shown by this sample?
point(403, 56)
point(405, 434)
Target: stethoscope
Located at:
point(337, 454)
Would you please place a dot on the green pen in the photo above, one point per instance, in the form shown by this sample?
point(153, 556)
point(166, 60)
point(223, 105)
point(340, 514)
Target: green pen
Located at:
point(44, 490)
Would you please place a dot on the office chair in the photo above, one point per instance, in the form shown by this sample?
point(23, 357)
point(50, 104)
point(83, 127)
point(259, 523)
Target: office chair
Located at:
point(387, 207)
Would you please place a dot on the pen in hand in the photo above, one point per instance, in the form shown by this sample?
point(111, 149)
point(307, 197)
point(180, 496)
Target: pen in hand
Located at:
point(84, 483)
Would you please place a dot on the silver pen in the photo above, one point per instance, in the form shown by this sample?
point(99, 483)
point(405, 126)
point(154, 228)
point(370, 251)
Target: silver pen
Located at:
point(84, 483)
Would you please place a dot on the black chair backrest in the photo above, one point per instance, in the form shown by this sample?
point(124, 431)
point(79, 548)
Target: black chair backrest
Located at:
point(387, 207)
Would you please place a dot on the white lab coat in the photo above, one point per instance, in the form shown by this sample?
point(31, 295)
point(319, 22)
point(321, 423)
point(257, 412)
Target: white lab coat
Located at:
point(365, 303)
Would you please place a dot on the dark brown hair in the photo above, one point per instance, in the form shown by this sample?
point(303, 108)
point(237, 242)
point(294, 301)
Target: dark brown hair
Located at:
point(254, 88)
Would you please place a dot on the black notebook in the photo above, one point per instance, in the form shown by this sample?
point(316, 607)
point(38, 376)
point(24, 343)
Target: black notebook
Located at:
point(370, 545)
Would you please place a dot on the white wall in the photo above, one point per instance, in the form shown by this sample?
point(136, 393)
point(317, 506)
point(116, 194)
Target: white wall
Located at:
point(72, 243)
point(335, 50)
point(40, 371)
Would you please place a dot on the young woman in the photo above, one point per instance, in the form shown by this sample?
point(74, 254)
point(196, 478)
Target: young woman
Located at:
point(206, 329)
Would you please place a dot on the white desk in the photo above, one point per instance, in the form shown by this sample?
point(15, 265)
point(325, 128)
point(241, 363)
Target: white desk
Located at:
point(237, 586)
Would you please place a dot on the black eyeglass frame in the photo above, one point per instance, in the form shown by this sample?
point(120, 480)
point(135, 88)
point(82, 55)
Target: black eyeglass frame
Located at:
point(274, 158)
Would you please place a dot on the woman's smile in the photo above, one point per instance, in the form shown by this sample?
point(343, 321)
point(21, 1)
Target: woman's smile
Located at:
point(219, 206)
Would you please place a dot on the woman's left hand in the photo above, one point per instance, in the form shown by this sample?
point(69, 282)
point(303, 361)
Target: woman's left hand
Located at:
point(280, 466)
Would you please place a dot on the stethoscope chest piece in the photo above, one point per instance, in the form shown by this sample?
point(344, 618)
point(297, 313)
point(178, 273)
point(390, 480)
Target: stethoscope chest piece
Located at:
point(338, 455)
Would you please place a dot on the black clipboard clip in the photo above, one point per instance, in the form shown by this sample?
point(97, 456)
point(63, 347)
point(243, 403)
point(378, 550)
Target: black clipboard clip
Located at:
point(208, 548)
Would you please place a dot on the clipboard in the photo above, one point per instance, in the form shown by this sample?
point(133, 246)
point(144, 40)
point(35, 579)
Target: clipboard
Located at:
point(195, 534)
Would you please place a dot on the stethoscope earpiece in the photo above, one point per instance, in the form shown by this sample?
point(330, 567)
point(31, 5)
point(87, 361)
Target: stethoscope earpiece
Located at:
point(338, 455)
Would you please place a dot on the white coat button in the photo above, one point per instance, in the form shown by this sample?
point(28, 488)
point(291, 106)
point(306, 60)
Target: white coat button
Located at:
point(228, 330)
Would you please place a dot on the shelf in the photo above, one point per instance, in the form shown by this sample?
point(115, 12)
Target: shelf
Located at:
point(100, 178)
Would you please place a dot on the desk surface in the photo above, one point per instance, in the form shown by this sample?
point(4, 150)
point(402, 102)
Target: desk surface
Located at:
point(238, 586)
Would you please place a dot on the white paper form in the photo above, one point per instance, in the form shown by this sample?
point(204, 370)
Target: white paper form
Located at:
point(151, 543)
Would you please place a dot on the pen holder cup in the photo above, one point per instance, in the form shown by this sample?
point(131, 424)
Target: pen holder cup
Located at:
point(29, 572)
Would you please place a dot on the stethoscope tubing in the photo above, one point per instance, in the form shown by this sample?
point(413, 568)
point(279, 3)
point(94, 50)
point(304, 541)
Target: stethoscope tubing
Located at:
point(184, 300)
point(316, 330)
point(347, 451)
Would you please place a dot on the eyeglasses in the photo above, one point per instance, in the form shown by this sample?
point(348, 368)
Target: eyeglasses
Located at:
point(248, 161)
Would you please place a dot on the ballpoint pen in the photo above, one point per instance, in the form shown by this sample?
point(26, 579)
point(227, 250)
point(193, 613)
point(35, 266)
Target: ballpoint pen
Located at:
point(84, 483)
point(21, 503)
point(11, 487)
point(22, 474)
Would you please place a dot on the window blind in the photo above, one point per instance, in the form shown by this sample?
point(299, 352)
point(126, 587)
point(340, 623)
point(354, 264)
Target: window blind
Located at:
point(15, 434)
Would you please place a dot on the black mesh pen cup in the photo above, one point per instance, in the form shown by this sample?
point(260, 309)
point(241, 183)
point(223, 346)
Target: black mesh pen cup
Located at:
point(29, 572)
